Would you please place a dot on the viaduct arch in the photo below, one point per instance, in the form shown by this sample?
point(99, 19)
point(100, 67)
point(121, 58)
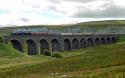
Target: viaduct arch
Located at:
point(44, 45)
point(75, 44)
point(108, 40)
point(36, 44)
point(90, 42)
point(55, 45)
point(82, 43)
point(17, 45)
point(103, 41)
point(67, 45)
point(31, 47)
point(97, 42)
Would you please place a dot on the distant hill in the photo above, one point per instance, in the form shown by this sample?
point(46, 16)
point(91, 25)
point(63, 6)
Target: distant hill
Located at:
point(102, 23)
point(95, 24)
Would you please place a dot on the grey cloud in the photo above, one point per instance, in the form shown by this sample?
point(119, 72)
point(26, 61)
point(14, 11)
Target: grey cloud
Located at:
point(55, 1)
point(110, 11)
point(54, 8)
point(24, 19)
point(81, 1)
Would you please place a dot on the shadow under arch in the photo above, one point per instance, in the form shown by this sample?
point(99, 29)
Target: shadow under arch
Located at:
point(55, 45)
point(97, 41)
point(90, 42)
point(17, 45)
point(44, 45)
point(31, 47)
point(108, 40)
point(113, 40)
point(103, 41)
point(82, 43)
point(67, 45)
point(75, 44)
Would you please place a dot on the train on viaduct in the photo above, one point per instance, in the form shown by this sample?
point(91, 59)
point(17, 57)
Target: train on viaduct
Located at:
point(34, 43)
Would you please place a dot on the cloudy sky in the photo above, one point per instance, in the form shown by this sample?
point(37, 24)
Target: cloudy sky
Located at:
point(27, 12)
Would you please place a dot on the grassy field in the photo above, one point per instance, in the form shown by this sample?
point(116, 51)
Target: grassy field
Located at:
point(100, 62)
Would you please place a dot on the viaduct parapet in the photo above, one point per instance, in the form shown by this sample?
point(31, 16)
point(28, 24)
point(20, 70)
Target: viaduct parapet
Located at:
point(35, 44)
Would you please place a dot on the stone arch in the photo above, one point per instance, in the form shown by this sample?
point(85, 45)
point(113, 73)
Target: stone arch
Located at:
point(67, 44)
point(103, 41)
point(90, 42)
point(44, 45)
point(31, 47)
point(55, 45)
point(108, 40)
point(82, 43)
point(97, 41)
point(113, 40)
point(75, 44)
point(17, 45)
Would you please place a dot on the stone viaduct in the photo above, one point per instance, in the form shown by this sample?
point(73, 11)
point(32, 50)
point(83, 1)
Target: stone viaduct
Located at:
point(35, 44)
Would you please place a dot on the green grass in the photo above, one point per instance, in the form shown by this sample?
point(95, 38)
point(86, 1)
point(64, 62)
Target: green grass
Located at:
point(9, 57)
point(122, 39)
point(99, 62)
point(8, 51)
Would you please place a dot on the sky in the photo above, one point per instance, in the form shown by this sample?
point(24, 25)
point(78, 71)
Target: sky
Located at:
point(34, 12)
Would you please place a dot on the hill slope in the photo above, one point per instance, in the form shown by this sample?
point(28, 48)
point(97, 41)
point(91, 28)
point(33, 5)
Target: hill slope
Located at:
point(105, 22)
point(9, 57)
point(8, 51)
point(95, 24)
